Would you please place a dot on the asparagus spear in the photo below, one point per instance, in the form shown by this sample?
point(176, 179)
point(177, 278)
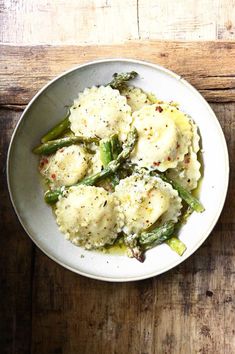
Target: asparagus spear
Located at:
point(116, 150)
point(52, 146)
point(176, 245)
point(57, 130)
point(52, 196)
point(119, 80)
point(157, 236)
point(115, 146)
point(193, 202)
point(137, 253)
point(105, 151)
point(106, 155)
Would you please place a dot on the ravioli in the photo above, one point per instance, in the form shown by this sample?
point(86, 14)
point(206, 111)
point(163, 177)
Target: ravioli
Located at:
point(100, 111)
point(66, 167)
point(165, 134)
point(88, 216)
point(132, 198)
point(145, 200)
point(187, 172)
point(136, 98)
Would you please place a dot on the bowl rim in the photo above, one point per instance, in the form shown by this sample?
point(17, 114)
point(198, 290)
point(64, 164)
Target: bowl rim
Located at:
point(225, 153)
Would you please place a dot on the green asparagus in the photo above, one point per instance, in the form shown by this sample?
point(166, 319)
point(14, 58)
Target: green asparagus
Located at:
point(119, 80)
point(57, 130)
point(52, 196)
point(105, 151)
point(157, 236)
point(115, 146)
point(176, 245)
point(106, 156)
point(116, 149)
point(52, 146)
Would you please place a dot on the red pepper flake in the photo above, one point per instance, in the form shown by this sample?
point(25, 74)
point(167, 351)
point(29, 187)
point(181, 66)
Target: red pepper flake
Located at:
point(128, 97)
point(43, 162)
point(169, 159)
point(53, 176)
point(156, 163)
point(177, 146)
point(159, 109)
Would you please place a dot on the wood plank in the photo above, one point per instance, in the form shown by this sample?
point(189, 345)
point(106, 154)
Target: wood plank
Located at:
point(225, 19)
point(209, 67)
point(89, 21)
point(16, 259)
point(187, 19)
point(179, 20)
point(106, 22)
point(187, 310)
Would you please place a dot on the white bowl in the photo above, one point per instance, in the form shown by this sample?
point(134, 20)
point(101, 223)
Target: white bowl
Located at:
point(26, 192)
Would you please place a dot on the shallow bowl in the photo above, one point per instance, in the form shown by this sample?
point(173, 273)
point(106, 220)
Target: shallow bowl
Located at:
point(47, 108)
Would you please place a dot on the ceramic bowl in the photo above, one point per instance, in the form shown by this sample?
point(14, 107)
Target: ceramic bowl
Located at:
point(26, 191)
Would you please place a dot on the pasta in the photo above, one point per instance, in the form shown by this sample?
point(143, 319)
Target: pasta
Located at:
point(88, 216)
point(122, 168)
point(100, 111)
point(144, 200)
point(67, 166)
point(165, 134)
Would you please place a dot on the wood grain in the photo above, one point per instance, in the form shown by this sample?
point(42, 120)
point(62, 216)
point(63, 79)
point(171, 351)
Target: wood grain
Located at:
point(114, 21)
point(16, 260)
point(210, 66)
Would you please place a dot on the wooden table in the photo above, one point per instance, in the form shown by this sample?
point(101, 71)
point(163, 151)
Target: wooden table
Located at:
point(47, 309)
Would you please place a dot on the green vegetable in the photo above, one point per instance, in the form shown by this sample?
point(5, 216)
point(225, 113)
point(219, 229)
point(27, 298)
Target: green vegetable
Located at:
point(119, 80)
point(176, 245)
point(57, 130)
point(106, 156)
point(52, 146)
point(115, 146)
point(52, 196)
point(137, 253)
point(157, 236)
point(105, 152)
point(193, 202)
point(116, 150)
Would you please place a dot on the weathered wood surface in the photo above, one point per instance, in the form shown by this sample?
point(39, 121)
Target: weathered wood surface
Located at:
point(16, 260)
point(210, 66)
point(47, 309)
point(114, 21)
